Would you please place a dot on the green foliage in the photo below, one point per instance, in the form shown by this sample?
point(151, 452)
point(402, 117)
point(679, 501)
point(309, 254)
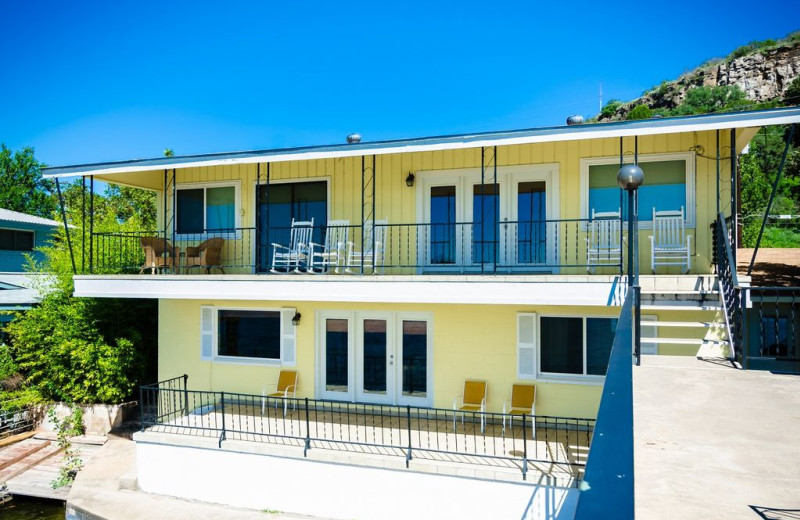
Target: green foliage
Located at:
point(750, 48)
point(8, 367)
point(792, 95)
point(81, 350)
point(70, 426)
point(640, 112)
point(703, 100)
point(610, 108)
point(21, 185)
point(169, 152)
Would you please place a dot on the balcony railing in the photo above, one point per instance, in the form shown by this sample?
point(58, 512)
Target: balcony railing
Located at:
point(524, 247)
point(558, 446)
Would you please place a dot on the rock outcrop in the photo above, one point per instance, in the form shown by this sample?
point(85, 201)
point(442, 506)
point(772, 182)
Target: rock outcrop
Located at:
point(763, 76)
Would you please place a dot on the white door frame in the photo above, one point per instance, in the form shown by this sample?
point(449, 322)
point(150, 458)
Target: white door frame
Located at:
point(355, 353)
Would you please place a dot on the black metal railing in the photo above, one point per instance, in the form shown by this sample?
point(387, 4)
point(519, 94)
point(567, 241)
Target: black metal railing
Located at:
point(771, 329)
point(17, 416)
point(123, 252)
point(609, 475)
point(733, 304)
point(533, 246)
point(558, 444)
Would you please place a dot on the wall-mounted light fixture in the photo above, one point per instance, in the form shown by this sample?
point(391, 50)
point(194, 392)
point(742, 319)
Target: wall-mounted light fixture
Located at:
point(410, 180)
point(296, 318)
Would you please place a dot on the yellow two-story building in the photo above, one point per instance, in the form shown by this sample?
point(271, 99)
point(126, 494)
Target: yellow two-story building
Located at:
point(408, 300)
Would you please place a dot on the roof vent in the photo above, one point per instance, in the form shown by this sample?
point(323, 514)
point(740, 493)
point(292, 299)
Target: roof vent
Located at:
point(353, 138)
point(575, 120)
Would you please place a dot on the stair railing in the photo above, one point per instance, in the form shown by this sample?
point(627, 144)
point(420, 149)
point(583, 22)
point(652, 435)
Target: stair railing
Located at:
point(730, 290)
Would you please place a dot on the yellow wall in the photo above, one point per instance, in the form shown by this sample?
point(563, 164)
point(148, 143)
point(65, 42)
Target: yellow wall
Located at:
point(469, 341)
point(397, 202)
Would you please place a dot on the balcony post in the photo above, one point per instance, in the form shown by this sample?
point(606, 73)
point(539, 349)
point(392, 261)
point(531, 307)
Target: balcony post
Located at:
point(91, 224)
point(630, 177)
point(83, 224)
point(66, 226)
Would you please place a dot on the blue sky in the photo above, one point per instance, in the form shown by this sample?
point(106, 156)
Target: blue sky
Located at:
point(87, 82)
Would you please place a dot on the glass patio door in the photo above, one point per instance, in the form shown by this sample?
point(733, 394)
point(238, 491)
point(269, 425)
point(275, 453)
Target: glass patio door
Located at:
point(373, 357)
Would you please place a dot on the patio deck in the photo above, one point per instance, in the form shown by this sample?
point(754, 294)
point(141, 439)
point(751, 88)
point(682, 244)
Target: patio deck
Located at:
point(407, 435)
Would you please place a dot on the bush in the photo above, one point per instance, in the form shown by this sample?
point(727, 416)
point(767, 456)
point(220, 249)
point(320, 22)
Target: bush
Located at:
point(79, 350)
point(640, 112)
point(610, 108)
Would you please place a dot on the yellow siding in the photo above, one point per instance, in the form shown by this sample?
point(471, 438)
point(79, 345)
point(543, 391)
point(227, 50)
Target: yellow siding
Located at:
point(398, 203)
point(469, 341)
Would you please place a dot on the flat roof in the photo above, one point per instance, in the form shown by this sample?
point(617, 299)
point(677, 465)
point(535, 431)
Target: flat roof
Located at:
point(780, 116)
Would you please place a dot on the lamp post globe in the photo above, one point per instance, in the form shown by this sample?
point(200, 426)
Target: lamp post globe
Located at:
point(630, 177)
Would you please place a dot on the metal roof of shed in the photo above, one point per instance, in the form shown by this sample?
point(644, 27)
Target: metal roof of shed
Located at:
point(644, 127)
point(16, 216)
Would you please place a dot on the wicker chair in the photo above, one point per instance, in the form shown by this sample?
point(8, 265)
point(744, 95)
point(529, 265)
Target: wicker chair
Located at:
point(158, 254)
point(207, 255)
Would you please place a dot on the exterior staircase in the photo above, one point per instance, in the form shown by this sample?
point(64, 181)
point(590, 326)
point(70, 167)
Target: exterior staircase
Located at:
point(683, 315)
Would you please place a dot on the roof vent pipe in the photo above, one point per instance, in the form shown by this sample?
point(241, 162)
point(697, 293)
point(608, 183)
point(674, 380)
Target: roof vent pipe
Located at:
point(353, 138)
point(575, 120)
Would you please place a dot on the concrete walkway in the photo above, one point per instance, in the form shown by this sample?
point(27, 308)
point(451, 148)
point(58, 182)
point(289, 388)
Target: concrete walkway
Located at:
point(715, 442)
point(106, 490)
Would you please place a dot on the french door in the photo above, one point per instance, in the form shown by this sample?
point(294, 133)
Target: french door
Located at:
point(470, 225)
point(374, 357)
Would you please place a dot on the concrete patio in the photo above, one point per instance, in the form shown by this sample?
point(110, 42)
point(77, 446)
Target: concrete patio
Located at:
point(712, 441)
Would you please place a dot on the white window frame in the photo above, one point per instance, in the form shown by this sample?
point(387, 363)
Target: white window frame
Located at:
point(237, 207)
point(556, 377)
point(285, 335)
point(646, 221)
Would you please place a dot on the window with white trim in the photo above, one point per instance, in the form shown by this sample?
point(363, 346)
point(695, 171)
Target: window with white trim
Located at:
point(668, 185)
point(256, 336)
point(575, 346)
point(207, 208)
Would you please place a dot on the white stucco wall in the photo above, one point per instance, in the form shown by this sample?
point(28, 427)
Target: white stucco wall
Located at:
point(332, 490)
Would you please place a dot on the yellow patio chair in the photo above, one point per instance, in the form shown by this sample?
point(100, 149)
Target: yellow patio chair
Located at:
point(523, 401)
point(472, 400)
point(284, 389)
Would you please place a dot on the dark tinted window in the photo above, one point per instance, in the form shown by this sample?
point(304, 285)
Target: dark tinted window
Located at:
point(254, 334)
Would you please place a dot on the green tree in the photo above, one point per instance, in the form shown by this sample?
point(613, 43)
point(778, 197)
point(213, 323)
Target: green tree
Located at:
point(21, 185)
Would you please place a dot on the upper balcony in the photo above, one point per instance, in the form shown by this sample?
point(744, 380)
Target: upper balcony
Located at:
point(531, 202)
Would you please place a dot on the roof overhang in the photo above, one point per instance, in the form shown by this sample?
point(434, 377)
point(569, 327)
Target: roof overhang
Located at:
point(781, 116)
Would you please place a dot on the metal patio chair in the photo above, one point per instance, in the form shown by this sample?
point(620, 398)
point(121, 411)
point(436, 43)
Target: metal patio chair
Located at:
point(285, 388)
point(331, 254)
point(603, 244)
point(523, 401)
point(472, 400)
point(669, 243)
point(286, 259)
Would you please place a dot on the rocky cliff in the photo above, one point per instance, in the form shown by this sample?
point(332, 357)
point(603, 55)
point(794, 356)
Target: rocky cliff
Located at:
point(763, 75)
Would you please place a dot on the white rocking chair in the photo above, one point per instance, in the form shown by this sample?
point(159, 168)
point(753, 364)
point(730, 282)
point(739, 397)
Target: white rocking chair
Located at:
point(286, 259)
point(331, 254)
point(603, 244)
point(669, 244)
point(359, 261)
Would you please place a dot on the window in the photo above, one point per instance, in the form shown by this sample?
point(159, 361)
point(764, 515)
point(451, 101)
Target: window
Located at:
point(207, 209)
point(14, 240)
point(668, 185)
point(256, 336)
point(575, 345)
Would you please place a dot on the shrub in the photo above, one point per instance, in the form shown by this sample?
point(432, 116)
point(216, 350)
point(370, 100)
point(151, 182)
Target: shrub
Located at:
point(640, 112)
point(610, 108)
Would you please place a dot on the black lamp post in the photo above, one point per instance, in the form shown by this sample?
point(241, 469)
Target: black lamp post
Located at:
point(630, 177)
